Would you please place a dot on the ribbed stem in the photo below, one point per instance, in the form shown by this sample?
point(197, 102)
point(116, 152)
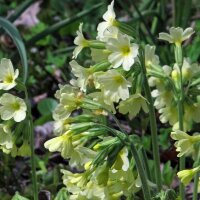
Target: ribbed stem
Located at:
point(153, 127)
point(139, 166)
point(31, 134)
point(142, 174)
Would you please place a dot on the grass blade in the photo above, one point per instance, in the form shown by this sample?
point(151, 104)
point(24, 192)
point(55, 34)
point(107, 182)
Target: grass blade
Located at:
point(61, 24)
point(20, 9)
point(14, 34)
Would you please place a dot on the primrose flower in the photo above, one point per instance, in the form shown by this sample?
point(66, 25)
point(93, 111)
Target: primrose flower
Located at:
point(185, 142)
point(163, 97)
point(122, 161)
point(133, 105)
point(12, 107)
point(70, 100)
point(150, 57)
point(61, 144)
point(5, 137)
point(177, 35)
point(84, 75)
point(109, 17)
point(187, 174)
point(80, 41)
point(7, 74)
point(113, 85)
point(123, 52)
point(168, 114)
point(111, 32)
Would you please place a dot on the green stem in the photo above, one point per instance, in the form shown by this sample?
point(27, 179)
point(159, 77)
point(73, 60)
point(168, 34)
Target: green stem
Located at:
point(153, 127)
point(196, 178)
point(195, 189)
point(141, 171)
point(61, 24)
point(33, 163)
point(139, 166)
point(179, 61)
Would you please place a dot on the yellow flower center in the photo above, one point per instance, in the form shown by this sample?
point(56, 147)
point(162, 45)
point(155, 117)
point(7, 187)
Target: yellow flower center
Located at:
point(16, 106)
point(125, 50)
point(8, 79)
point(118, 79)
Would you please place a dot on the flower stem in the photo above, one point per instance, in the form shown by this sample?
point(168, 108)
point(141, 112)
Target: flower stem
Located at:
point(195, 189)
point(142, 173)
point(153, 127)
point(182, 159)
point(31, 134)
point(139, 166)
point(179, 61)
point(196, 178)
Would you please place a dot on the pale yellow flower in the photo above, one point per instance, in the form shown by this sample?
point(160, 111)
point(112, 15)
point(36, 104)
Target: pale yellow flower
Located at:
point(12, 107)
point(83, 74)
point(187, 174)
point(177, 35)
point(61, 144)
point(133, 105)
point(109, 17)
point(7, 74)
point(70, 99)
point(113, 85)
point(185, 142)
point(80, 41)
point(150, 57)
point(123, 52)
point(5, 137)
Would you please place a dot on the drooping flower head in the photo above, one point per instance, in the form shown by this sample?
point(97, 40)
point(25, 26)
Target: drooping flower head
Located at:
point(7, 74)
point(133, 105)
point(70, 100)
point(185, 142)
point(187, 174)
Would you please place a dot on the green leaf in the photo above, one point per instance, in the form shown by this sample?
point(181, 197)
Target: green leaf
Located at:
point(62, 194)
point(43, 119)
point(18, 197)
point(47, 106)
point(61, 24)
point(14, 34)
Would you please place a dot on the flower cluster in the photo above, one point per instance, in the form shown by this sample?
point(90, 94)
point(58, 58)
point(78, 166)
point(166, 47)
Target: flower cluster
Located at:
point(167, 82)
point(12, 110)
point(106, 87)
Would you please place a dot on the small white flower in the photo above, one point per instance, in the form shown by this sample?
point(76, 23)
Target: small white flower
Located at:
point(123, 52)
point(111, 32)
point(12, 107)
point(70, 100)
point(133, 105)
point(177, 35)
point(80, 41)
point(150, 57)
point(61, 144)
point(109, 17)
point(113, 85)
point(7, 74)
point(5, 137)
point(84, 75)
